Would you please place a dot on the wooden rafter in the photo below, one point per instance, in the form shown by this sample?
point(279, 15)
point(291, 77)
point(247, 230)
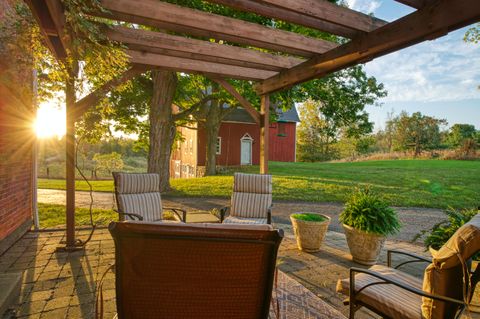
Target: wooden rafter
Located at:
point(243, 101)
point(433, 21)
point(198, 23)
point(318, 14)
point(47, 28)
point(193, 66)
point(287, 15)
point(417, 4)
point(56, 10)
point(82, 105)
point(177, 46)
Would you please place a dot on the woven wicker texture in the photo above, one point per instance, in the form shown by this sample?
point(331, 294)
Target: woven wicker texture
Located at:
point(169, 271)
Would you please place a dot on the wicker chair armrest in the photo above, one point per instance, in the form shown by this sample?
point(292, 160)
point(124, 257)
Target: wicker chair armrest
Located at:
point(391, 281)
point(223, 212)
point(131, 215)
point(177, 211)
point(415, 258)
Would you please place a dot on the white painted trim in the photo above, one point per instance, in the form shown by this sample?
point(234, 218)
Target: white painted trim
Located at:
point(246, 138)
point(219, 142)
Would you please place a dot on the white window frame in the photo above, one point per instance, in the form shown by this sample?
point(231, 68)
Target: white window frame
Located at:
point(218, 146)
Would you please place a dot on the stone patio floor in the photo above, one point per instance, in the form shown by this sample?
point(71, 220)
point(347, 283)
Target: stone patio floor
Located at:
point(62, 285)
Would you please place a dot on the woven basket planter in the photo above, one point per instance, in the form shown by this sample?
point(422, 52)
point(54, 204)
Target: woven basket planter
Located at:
point(310, 234)
point(364, 247)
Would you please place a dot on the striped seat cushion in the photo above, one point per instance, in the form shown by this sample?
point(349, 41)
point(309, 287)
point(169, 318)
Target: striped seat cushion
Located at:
point(246, 221)
point(131, 183)
point(147, 205)
point(393, 301)
point(252, 195)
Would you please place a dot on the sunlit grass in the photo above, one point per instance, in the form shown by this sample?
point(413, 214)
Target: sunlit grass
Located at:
point(420, 183)
point(52, 215)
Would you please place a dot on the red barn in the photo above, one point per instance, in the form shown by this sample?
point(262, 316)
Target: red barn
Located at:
point(238, 143)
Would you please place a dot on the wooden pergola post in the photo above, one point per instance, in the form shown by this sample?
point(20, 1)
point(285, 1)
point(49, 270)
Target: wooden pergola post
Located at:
point(264, 126)
point(70, 158)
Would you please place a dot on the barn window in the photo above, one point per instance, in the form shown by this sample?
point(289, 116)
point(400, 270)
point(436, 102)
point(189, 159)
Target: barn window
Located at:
point(218, 147)
point(281, 130)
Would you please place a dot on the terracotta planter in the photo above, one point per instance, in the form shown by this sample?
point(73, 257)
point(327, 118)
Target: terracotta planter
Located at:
point(364, 247)
point(309, 234)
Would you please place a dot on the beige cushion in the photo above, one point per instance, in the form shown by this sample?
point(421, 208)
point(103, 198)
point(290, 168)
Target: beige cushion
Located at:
point(132, 183)
point(241, 220)
point(147, 205)
point(390, 300)
point(252, 183)
point(214, 225)
point(445, 275)
point(250, 205)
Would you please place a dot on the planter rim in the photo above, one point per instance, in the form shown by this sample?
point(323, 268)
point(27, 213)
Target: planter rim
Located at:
point(328, 218)
point(363, 232)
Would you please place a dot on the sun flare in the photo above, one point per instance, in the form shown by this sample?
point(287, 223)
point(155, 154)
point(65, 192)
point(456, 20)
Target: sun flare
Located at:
point(50, 121)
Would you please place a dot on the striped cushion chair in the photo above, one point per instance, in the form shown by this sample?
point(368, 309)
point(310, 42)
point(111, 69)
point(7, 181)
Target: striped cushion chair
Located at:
point(251, 201)
point(445, 291)
point(138, 197)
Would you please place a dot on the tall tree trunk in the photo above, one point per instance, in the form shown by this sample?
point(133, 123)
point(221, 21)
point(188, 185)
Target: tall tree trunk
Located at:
point(212, 126)
point(162, 125)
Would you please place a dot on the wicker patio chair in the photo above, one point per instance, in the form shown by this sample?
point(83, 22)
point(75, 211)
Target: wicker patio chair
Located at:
point(445, 292)
point(251, 201)
point(202, 271)
point(138, 197)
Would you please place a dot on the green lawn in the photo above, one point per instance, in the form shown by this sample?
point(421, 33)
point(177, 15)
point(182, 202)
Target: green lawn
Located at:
point(422, 183)
point(53, 215)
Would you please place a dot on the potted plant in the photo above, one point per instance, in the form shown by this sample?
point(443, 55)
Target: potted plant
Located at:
point(310, 230)
point(367, 220)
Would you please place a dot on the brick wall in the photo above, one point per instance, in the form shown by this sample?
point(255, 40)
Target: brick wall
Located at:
point(16, 137)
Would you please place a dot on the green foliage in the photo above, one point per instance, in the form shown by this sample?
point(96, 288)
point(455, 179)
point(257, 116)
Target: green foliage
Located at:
point(441, 232)
point(473, 34)
point(458, 133)
point(309, 217)
point(415, 132)
point(368, 212)
point(108, 162)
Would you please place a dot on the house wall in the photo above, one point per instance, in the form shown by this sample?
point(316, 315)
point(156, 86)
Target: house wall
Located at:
point(184, 157)
point(231, 133)
point(282, 142)
point(16, 141)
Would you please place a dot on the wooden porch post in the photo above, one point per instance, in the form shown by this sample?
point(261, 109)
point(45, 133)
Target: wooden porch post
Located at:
point(70, 158)
point(264, 128)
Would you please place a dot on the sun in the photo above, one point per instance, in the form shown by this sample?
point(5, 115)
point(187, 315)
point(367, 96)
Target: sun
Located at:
point(50, 121)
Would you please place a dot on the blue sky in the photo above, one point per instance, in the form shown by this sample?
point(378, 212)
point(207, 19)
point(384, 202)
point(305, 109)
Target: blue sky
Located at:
point(438, 78)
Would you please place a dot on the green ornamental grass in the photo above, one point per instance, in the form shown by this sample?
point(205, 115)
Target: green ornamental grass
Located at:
point(368, 212)
point(311, 217)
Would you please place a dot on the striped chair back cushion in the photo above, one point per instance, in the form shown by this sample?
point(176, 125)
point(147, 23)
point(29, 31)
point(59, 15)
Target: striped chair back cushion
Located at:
point(139, 194)
point(252, 195)
point(147, 205)
point(133, 183)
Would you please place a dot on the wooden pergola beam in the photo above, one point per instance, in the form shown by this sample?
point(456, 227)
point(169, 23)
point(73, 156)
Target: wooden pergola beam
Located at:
point(198, 23)
point(177, 46)
point(417, 4)
point(243, 101)
point(433, 21)
point(193, 66)
point(327, 11)
point(47, 28)
point(285, 14)
point(82, 105)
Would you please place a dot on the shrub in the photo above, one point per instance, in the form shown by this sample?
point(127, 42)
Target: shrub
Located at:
point(311, 217)
point(368, 212)
point(441, 232)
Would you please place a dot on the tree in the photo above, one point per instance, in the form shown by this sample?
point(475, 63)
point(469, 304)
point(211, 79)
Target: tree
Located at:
point(108, 162)
point(458, 133)
point(417, 132)
point(335, 104)
point(473, 34)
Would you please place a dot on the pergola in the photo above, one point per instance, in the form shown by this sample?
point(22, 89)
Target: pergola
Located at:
point(288, 58)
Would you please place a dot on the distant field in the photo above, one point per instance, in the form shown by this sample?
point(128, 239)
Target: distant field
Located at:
point(408, 183)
